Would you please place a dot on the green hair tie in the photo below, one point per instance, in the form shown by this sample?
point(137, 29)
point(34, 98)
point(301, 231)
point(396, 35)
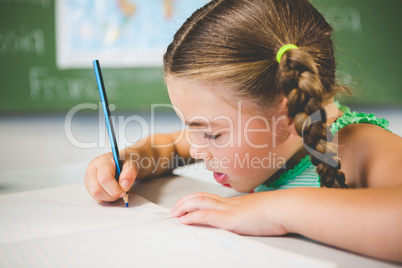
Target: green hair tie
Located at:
point(283, 49)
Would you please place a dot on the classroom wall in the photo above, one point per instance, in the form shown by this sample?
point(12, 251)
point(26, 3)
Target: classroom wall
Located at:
point(367, 38)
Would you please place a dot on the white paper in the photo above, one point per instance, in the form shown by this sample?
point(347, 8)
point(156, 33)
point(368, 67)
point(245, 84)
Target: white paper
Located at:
point(65, 210)
point(64, 227)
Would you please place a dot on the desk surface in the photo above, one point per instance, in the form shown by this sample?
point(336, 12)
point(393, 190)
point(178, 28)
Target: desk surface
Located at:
point(165, 191)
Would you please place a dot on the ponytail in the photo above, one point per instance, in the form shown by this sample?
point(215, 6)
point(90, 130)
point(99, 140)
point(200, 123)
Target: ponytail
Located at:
point(299, 80)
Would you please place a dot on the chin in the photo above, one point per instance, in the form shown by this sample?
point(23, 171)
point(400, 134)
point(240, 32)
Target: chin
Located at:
point(241, 189)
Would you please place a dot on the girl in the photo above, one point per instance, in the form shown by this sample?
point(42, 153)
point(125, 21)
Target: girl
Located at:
point(254, 81)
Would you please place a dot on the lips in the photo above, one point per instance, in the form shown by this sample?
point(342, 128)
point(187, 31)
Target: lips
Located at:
point(221, 177)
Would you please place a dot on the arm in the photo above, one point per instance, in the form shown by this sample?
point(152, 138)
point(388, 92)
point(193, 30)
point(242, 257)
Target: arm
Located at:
point(158, 154)
point(367, 221)
point(151, 156)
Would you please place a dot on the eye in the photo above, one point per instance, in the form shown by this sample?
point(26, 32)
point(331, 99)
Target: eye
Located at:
point(211, 137)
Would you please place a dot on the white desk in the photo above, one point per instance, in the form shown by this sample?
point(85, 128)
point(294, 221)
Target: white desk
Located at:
point(165, 191)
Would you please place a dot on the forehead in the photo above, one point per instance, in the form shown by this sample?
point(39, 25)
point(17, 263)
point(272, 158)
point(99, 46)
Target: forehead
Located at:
point(196, 101)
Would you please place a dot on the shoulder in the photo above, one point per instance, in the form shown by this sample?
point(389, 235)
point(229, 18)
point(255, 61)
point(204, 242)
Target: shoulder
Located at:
point(370, 155)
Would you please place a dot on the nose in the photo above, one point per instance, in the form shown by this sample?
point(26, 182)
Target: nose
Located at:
point(198, 153)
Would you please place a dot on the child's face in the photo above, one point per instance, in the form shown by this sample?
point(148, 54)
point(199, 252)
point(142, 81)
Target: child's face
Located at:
point(243, 147)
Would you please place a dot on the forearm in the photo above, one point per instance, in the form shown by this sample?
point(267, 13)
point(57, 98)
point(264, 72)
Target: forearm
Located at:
point(367, 221)
point(157, 154)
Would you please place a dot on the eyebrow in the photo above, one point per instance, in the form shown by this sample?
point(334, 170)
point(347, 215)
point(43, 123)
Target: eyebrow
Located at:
point(199, 123)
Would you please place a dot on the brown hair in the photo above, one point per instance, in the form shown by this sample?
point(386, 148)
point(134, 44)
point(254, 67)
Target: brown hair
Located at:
point(236, 42)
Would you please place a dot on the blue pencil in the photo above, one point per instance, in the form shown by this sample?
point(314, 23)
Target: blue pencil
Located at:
point(109, 125)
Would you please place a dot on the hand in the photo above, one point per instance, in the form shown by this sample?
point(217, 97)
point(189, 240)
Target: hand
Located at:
point(100, 179)
point(251, 214)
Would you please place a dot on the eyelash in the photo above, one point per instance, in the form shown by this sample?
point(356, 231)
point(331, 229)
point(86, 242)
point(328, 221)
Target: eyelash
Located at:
point(211, 137)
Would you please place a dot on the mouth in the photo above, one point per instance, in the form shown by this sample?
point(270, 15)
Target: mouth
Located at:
point(221, 178)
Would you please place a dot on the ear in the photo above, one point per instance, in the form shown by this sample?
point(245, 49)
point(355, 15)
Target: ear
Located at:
point(283, 106)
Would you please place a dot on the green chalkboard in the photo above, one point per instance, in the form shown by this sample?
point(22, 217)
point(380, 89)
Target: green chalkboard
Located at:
point(367, 40)
point(31, 80)
point(367, 36)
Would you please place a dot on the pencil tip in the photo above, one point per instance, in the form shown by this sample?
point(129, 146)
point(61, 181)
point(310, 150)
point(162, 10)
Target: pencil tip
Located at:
point(125, 198)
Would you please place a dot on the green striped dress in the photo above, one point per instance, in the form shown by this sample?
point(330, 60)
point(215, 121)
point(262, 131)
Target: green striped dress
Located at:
point(304, 173)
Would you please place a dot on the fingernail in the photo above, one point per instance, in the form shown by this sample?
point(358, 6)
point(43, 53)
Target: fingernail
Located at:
point(125, 184)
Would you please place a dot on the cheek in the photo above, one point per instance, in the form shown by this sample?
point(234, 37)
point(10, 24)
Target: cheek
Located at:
point(256, 133)
point(265, 139)
point(256, 139)
point(225, 140)
point(195, 138)
point(237, 150)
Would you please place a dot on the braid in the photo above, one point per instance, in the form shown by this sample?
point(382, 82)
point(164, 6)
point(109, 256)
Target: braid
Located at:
point(300, 82)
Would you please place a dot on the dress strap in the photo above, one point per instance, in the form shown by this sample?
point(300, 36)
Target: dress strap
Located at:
point(354, 117)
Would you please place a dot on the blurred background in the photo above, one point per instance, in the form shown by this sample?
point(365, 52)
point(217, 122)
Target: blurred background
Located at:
point(49, 102)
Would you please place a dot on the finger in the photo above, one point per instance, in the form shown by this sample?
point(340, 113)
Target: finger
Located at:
point(196, 203)
point(195, 195)
point(106, 179)
point(208, 217)
point(89, 178)
point(127, 176)
point(94, 188)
